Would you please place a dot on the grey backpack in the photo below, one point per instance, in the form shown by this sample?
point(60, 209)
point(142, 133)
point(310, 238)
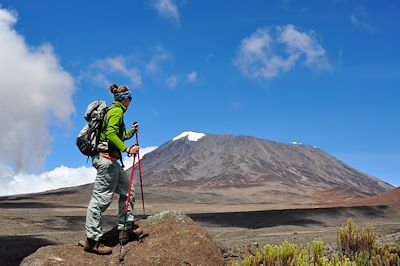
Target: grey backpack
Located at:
point(88, 140)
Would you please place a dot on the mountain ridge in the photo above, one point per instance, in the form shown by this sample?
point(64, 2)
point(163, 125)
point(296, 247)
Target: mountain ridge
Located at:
point(226, 160)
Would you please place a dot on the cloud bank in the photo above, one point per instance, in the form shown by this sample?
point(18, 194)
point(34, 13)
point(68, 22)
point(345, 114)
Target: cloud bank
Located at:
point(35, 92)
point(269, 52)
point(57, 178)
point(21, 183)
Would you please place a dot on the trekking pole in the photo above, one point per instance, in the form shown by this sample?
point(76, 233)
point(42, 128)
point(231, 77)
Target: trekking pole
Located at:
point(140, 175)
point(128, 199)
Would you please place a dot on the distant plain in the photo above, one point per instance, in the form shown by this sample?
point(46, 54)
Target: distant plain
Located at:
point(232, 216)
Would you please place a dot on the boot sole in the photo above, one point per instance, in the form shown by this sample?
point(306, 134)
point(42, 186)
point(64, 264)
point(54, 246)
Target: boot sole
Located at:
point(96, 252)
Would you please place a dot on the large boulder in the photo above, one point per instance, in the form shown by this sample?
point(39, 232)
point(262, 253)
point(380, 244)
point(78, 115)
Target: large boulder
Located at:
point(170, 238)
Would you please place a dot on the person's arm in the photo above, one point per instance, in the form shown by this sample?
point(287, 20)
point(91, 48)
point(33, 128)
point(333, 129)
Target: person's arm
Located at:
point(130, 132)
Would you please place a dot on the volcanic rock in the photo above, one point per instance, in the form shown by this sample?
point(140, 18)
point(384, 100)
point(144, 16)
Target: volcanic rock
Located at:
point(170, 238)
point(226, 161)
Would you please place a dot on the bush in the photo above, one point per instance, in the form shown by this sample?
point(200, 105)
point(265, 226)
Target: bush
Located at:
point(357, 247)
point(353, 241)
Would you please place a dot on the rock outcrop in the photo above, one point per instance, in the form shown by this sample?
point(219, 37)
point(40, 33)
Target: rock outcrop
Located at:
point(170, 238)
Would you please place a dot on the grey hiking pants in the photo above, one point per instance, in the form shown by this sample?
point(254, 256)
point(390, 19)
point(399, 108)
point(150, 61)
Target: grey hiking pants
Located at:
point(110, 178)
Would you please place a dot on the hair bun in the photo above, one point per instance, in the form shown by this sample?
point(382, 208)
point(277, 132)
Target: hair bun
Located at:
point(113, 88)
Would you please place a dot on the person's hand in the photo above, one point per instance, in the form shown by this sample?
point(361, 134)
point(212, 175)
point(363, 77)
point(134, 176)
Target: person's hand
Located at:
point(132, 150)
point(135, 127)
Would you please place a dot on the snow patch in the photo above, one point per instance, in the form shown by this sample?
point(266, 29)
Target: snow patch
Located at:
point(192, 136)
point(296, 143)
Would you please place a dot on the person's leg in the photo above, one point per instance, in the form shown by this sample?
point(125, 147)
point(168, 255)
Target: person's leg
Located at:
point(122, 190)
point(104, 187)
point(131, 231)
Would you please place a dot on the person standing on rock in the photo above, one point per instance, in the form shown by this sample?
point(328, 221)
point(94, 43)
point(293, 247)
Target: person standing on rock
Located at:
point(111, 177)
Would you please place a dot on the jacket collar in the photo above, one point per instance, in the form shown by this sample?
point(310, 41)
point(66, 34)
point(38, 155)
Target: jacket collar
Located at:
point(118, 104)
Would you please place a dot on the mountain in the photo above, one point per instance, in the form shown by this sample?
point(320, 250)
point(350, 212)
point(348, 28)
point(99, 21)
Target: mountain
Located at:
point(224, 161)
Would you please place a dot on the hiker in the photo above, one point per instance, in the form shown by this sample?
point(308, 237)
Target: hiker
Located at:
point(111, 176)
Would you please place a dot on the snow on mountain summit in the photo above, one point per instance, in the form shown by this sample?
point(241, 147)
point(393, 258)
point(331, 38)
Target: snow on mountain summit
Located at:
point(192, 136)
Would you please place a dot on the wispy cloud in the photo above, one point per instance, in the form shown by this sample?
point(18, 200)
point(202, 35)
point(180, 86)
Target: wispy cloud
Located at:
point(236, 105)
point(160, 56)
point(35, 92)
point(132, 69)
point(268, 52)
point(172, 81)
point(116, 65)
point(167, 9)
point(359, 19)
point(135, 69)
point(192, 76)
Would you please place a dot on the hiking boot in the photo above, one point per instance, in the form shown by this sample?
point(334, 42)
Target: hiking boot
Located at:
point(96, 247)
point(128, 235)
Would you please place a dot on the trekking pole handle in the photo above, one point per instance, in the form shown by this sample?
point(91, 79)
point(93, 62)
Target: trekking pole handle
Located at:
point(135, 127)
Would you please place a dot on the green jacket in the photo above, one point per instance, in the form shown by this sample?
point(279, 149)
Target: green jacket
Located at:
point(113, 130)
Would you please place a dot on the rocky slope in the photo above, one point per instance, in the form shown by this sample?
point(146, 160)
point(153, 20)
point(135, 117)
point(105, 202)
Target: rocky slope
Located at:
point(223, 161)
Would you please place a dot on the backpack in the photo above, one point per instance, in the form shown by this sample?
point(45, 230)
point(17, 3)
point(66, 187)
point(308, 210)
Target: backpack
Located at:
point(88, 140)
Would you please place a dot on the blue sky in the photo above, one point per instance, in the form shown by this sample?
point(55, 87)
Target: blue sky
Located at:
point(324, 73)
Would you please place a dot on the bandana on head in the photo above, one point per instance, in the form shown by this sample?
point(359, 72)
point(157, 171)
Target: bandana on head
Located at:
point(122, 95)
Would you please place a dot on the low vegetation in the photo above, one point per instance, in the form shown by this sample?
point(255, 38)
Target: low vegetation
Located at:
point(356, 247)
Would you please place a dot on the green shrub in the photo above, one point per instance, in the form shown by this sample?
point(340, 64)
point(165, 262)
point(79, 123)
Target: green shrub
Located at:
point(317, 250)
point(357, 247)
point(352, 240)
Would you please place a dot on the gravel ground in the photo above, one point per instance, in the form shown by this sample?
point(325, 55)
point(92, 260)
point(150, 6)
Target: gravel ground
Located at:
point(25, 226)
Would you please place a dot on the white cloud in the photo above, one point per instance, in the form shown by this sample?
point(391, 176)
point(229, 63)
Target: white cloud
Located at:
point(21, 183)
point(172, 81)
point(359, 19)
point(167, 9)
point(131, 69)
point(35, 92)
point(268, 52)
point(57, 178)
point(192, 77)
point(116, 65)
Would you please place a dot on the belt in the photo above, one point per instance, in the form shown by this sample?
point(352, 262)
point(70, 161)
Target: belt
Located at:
point(108, 156)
